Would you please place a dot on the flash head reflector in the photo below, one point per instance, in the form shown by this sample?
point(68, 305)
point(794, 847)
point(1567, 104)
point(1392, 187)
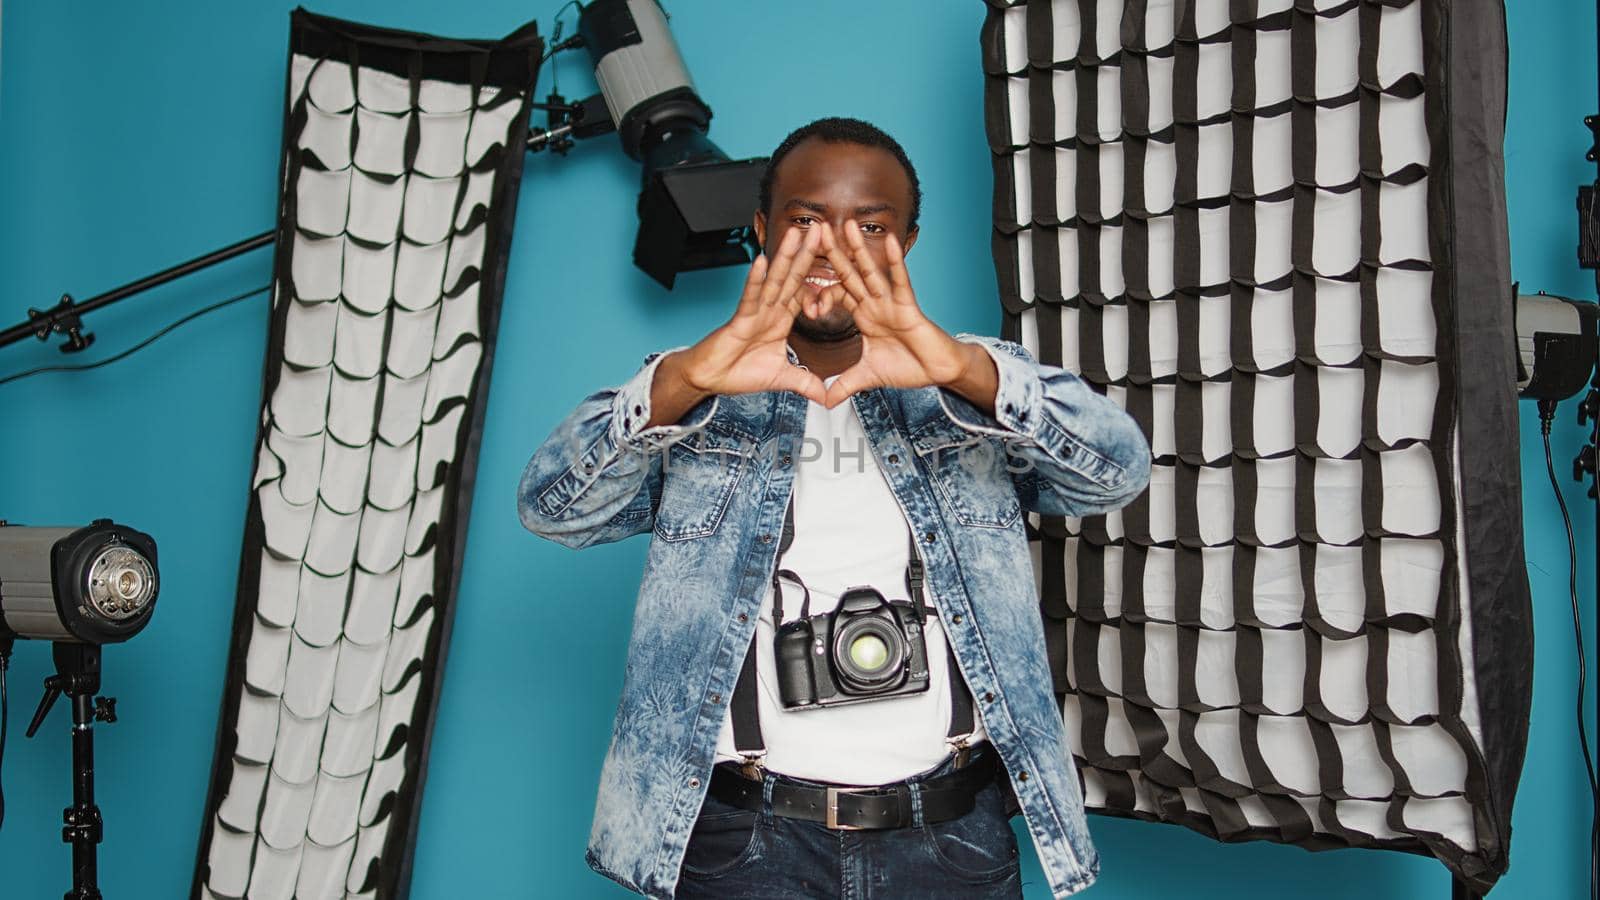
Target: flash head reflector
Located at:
point(91, 585)
point(122, 583)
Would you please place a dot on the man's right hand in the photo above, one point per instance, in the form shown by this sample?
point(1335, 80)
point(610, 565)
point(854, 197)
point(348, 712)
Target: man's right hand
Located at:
point(748, 354)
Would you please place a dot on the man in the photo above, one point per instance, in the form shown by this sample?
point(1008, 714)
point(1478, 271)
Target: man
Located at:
point(836, 490)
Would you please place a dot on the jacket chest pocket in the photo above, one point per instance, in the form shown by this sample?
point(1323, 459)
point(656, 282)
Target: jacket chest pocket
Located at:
point(970, 473)
point(698, 477)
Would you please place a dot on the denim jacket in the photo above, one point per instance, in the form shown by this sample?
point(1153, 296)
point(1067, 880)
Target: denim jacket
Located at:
point(711, 491)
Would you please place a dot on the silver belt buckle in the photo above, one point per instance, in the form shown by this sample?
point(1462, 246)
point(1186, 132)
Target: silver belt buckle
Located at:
point(833, 810)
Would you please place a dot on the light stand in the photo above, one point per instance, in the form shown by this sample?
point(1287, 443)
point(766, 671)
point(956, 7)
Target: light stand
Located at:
point(64, 317)
point(1587, 464)
point(78, 676)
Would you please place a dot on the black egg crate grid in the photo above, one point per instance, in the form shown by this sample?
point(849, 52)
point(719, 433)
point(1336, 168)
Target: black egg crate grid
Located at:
point(1219, 214)
point(402, 160)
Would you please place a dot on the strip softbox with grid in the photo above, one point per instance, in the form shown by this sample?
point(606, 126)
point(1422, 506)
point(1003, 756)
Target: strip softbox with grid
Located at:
point(402, 159)
point(1275, 231)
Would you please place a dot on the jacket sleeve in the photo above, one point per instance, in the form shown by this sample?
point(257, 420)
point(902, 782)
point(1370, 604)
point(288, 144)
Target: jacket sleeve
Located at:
point(1070, 450)
point(596, 478)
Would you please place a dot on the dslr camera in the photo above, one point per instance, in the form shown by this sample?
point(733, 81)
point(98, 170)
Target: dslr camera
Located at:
point(868, 648)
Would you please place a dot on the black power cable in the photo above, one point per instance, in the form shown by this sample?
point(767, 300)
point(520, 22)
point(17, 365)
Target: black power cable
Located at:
point(557, 44)
point(1547, 414)
point(142, 344)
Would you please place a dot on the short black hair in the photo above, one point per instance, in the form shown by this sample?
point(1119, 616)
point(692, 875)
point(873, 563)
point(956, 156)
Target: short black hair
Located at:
point(840, 130)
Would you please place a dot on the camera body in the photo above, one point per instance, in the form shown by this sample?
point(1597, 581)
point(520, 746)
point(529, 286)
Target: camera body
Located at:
point(869, 648)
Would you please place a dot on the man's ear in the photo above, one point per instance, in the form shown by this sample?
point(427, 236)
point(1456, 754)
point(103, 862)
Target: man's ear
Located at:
point(911, 240)
point(761, 229)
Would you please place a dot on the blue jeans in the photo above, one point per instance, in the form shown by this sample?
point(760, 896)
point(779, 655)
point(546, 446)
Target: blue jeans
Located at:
point(739, 853)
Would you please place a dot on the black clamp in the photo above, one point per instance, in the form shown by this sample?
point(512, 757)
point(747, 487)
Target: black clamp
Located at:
point(63, 319)
point(82, 824)
point(566, 121)
point(1587, 463)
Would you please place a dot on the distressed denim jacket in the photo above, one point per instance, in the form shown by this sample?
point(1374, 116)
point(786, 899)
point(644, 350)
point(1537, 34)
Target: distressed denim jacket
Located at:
point(711, 491)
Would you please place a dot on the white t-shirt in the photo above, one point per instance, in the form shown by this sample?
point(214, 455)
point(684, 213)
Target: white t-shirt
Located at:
point(849, 531)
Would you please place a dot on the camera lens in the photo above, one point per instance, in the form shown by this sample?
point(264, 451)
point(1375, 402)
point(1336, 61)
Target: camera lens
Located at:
point(870, 654)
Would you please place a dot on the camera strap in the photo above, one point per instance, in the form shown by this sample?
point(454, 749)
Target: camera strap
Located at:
point(747, 737)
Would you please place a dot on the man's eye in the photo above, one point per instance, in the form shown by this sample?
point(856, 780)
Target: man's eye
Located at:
point(871, 228)
point(803, 221)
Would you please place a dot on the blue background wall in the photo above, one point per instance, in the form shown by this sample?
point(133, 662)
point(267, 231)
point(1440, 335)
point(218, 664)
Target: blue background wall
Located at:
point(131, 139)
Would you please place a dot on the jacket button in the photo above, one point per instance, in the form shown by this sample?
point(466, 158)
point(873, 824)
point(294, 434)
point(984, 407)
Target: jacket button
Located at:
point(894, 459)
point(695, 782)
point(743, 617)
point(955, 619)
point(786, 459)
point(638, 410)
point(765, 539)
point(1022, 776)
point(988, 697)
point(929, 537)
point(716, 698)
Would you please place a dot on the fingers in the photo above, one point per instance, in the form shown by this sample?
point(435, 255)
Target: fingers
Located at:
point(876, 283)
point(805, 384)
point(753, 281)
point(803, 260)
point(838, 296)
point(792, 268)
point(779, 268)
point(898, 276)
point(834, 296)
point(849, 276)
point(814, 306)
point(851, 381)
point(773, 291)
point(792, 295)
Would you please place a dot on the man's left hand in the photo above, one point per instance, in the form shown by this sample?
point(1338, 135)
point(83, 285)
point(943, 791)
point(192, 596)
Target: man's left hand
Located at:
point(900, 347)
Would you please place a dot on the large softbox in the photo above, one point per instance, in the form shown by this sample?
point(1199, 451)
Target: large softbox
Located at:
point(1275, 231)
point(402, 157)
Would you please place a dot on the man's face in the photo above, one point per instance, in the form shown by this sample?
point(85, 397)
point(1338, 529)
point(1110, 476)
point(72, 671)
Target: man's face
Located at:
point(821, 181)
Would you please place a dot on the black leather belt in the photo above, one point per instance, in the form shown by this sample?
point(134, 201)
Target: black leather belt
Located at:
point(852, 809)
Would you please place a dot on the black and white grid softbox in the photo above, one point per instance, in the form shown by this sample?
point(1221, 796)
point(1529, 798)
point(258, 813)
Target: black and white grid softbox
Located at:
point(1275, 231)
point(402, 158)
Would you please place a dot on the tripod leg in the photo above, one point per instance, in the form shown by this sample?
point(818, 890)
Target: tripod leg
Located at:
point(78, 666)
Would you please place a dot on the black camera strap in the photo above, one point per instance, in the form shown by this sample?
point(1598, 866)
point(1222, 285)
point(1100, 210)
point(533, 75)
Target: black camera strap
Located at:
point(961, 720)
point(747, 737)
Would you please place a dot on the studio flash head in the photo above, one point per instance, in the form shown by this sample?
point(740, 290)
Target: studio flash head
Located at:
point(91, 585)
point(1556, 345)
point(695, 204)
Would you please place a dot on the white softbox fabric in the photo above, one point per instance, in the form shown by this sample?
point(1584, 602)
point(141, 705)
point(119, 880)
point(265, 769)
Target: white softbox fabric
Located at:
point(1274, 231)
point(402, 159)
